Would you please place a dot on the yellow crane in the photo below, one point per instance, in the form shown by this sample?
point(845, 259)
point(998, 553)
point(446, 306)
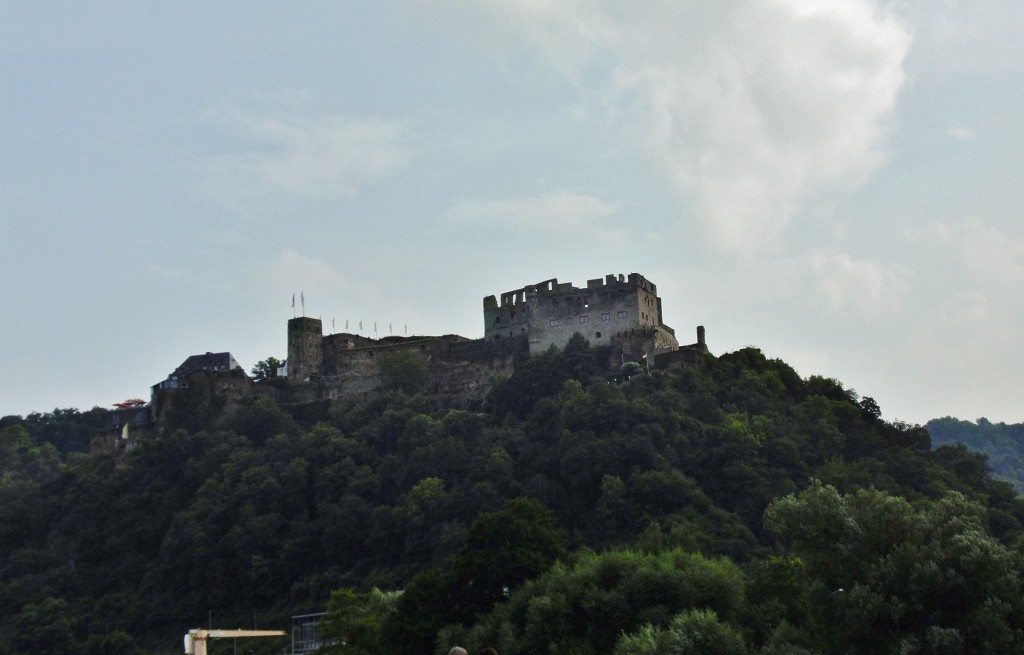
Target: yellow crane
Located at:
point(195, 640)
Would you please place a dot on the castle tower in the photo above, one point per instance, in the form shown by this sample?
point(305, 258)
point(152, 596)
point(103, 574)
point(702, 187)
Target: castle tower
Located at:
point(614, 309)
point(305, 348)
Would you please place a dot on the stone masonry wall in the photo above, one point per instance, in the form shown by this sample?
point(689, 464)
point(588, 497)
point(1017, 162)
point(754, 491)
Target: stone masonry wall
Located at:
point(305, 348)
point(624, 313)
point(349, 365)
point(549, 313)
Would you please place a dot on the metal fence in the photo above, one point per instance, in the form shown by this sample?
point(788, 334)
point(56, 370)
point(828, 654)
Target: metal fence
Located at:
point(306, 634)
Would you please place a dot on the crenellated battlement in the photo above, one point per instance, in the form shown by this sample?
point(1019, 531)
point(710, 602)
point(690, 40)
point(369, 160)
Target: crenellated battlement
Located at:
point(549, 313)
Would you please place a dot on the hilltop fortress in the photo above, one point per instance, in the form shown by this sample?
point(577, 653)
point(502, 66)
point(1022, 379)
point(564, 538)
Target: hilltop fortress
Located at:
point(621, 313)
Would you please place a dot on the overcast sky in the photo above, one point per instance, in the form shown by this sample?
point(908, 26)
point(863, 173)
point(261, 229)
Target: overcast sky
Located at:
point(836, 182)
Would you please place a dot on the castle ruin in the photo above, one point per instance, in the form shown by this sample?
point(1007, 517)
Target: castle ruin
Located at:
point(617, 311)
point(621, 313)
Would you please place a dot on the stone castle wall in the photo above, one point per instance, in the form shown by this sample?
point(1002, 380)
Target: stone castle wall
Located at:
point(621, 312)
point(549, 314)
point(349, 365)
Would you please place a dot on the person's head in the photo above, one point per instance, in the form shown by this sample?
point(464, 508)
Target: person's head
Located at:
point(458, 650)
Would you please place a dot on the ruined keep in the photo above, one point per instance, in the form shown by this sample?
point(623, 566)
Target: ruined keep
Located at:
point(624, 312)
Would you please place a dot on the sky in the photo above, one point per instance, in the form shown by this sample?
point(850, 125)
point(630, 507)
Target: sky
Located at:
point(835, 182)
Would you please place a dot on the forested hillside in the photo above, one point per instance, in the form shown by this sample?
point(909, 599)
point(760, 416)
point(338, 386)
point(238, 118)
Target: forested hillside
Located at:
point(735, 508)
point(1002, 443)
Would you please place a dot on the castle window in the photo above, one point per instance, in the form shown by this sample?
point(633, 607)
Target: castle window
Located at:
point(554, 322)
point(606, 316)
point(583, 319)
point(597, 335)
point(568, 321)
point(622, 314)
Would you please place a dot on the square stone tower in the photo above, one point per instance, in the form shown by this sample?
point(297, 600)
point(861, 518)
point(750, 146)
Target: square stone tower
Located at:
point(305, 348)
point(609, 310)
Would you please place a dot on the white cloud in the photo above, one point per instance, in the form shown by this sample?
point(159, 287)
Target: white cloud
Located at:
point(556, 212)
point(987, 273)
point(995, 258)
point(958, 131)
point(747, 106)
point(965, 344)
point(316, 157)
point(860, 287)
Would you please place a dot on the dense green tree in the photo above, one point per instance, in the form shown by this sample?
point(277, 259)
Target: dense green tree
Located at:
point(403, 370)
point(274, 505)
point(42, 628)
point(24, 462)
point(890, 578)
point(115, 642)
point(266, 369)
point(585, 607)
point(262, 419)
point(693, 632)
point(1003, 444)
point(502, 550)
point(355, 621)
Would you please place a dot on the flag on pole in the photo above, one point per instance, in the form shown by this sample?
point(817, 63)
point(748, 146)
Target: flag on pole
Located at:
point(406, 329)
point(293, 301)
point(346, 323)
point(390, 331)
point(360, 326)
